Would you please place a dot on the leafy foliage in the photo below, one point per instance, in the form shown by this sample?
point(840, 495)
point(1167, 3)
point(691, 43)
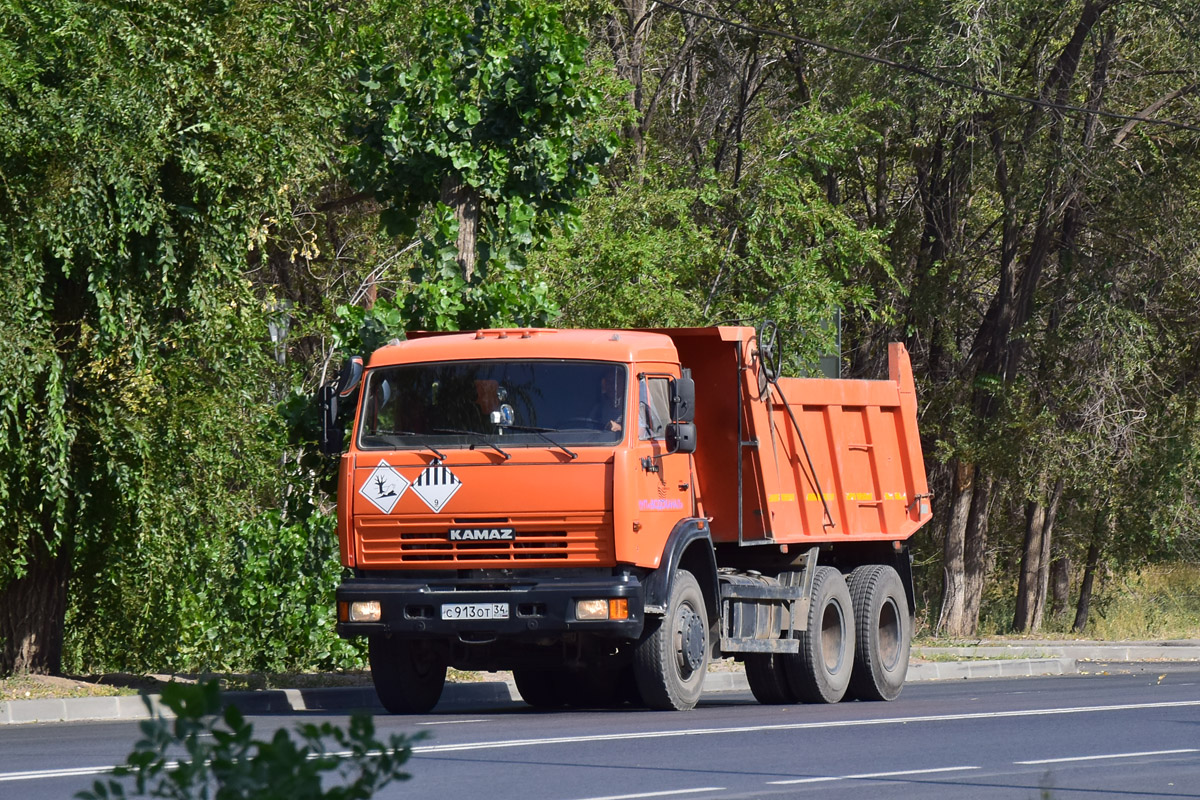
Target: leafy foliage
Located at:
point(221, 759)
point(258, 598)
point(143, 145)
point(495, 101)
point(688, 249)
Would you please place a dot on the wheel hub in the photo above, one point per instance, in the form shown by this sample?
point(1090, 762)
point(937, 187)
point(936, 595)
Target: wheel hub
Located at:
point(692, 639)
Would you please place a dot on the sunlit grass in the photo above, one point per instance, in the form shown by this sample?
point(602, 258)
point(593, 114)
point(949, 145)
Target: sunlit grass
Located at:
point(1154, 602)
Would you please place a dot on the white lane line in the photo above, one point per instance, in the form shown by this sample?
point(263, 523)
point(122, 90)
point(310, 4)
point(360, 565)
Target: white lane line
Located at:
point(666, 734)
point(54, 773)
point(452, 722)
point(657, 794)
point(794, 726)
point(869, 775)
point(1109, 755)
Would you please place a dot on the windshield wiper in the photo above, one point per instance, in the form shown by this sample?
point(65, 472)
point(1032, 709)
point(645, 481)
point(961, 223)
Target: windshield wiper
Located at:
point(483, 437)
point(393, 437)
point(542, 433)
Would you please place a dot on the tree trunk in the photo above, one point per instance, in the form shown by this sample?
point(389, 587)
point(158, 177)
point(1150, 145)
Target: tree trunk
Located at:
point(1033, 583)
point(1085, 590)
point(465, 202)
point(1031, 555)
point(1043, 576)
point(32, 616)
point(954, 590)
point(1060, 586)
point(976, 550)
point(628, 31)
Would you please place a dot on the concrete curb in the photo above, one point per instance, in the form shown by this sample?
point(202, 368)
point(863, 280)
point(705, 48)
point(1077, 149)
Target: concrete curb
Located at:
point(1037, 660)
point(1009, 668)
point(1132, 652)
point(265, 701)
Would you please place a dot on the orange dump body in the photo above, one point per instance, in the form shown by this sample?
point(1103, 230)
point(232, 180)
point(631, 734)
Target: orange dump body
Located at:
point(821, 460)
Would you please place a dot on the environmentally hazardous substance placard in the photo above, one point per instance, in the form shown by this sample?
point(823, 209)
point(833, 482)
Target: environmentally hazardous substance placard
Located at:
point(384, 487)
point(436, 485)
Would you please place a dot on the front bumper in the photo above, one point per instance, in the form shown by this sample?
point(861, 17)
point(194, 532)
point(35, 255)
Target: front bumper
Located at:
point(537, 608)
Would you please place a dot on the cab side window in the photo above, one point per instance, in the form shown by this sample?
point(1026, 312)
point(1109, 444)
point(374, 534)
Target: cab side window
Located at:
point(653, 407)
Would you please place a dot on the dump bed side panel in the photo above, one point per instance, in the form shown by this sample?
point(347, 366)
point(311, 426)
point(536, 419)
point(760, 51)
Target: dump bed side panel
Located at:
point(822, 460)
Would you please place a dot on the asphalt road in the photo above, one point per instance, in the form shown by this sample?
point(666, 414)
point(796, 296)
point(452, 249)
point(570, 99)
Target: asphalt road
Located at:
point(1086, 736)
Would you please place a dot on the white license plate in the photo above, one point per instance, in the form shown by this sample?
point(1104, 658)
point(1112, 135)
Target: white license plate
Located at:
point(475, 611)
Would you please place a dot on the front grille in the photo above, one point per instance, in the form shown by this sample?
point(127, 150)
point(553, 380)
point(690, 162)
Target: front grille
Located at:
point(558, 540)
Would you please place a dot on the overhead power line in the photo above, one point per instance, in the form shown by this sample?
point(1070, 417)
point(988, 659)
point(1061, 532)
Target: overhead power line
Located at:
point(928, 74)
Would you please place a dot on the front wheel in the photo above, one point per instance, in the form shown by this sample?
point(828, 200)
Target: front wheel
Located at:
point(586, 687)
point(539, 687)
point(408, 673)
point(671, 660)
point(590, 687)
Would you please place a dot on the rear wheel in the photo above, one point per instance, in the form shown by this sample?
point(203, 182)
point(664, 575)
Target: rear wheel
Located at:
point(670, 661)
point(884, 632)
point(408, 673)
point(820, 672)
point(767, 679)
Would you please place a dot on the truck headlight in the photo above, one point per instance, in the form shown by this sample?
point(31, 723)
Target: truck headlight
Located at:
point(365, 611)
point(602, 608)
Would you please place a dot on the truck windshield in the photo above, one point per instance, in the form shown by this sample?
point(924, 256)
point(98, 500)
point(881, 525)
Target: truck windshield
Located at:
point(510, 403)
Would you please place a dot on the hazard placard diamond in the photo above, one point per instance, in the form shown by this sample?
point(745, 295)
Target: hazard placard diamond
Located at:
point(436, 485)
point(384, 487)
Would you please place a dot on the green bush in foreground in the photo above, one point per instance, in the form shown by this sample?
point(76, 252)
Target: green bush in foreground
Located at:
point(206, 753)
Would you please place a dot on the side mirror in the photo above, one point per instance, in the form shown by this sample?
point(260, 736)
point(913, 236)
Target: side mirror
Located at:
point(683, 398)
point(332, 434)
point(349, 377)
point(681, 437)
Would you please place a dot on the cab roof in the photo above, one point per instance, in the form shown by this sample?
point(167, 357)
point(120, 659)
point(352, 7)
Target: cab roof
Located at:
point(528, 343)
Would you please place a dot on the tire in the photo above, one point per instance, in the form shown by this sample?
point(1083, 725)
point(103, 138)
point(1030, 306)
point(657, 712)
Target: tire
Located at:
point(590, 687)
point(408, 673)
point(884, 632)
point(820, 672)
point(627, 687)
point(767, 679)
point(671, 660)
point(539, 688)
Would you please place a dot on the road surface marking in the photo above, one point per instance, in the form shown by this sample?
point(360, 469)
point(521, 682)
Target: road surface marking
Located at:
point(868, 775)
point(794, 726)
point(658, 794)
point(666, 734)
point(1110, 755)
point(54, 773)
point(452, 722)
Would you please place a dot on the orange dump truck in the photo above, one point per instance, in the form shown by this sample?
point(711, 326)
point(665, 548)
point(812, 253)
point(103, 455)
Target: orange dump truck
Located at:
point(605, 512)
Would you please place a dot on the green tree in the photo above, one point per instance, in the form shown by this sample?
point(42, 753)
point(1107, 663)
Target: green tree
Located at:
point(143, 147)
point(1003, 223)
point(487, 130)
